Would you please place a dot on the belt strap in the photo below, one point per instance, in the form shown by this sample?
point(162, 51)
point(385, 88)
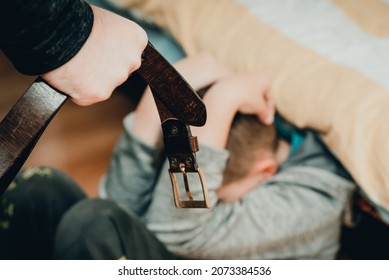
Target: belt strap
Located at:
point(22, 127)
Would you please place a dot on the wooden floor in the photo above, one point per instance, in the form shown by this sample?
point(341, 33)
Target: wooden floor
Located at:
point(79, 140)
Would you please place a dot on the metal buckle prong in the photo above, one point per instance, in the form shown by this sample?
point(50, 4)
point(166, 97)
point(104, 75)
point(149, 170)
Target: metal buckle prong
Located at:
point(186, 182)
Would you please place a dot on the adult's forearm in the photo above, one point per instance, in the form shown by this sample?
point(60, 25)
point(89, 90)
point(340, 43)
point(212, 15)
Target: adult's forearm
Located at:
point(41, 35)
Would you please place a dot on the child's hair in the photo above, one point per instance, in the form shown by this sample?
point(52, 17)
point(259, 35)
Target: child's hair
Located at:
point(248, 138)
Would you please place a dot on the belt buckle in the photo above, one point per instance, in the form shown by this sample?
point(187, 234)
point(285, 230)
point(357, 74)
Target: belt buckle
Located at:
point(181, 148)
point(190, 203)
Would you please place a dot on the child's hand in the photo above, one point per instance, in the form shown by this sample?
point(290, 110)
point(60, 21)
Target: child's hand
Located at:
point(251, 94)
point(248, 94)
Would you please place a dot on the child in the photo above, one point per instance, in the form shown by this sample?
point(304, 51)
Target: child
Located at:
point(297, 213)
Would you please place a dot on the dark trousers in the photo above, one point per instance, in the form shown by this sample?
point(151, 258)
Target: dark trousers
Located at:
point(45, 215)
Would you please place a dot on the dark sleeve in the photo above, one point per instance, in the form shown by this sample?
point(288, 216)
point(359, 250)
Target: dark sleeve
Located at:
point(41, 35)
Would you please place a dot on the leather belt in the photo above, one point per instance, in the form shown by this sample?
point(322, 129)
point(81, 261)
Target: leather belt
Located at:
point(178, 107)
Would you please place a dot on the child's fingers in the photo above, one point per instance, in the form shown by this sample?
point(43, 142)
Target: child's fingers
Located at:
point(271, 111)
point(266, 114)
point(269, 108)
point(266, 118)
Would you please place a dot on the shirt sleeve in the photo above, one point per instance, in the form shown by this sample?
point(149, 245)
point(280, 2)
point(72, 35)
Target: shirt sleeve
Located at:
point(132, 172)
point(41, 35)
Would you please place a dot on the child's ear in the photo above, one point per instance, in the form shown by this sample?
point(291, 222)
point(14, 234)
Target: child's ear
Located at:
point(266, 167)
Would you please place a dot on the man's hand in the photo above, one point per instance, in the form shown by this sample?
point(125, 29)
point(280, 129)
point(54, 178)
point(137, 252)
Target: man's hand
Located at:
point(111, 53)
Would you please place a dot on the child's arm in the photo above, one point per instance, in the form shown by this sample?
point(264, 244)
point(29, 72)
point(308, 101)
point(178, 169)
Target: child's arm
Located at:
point(241, 93)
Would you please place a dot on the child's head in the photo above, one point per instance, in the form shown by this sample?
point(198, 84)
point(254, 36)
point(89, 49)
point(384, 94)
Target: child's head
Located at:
point(253, 149)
